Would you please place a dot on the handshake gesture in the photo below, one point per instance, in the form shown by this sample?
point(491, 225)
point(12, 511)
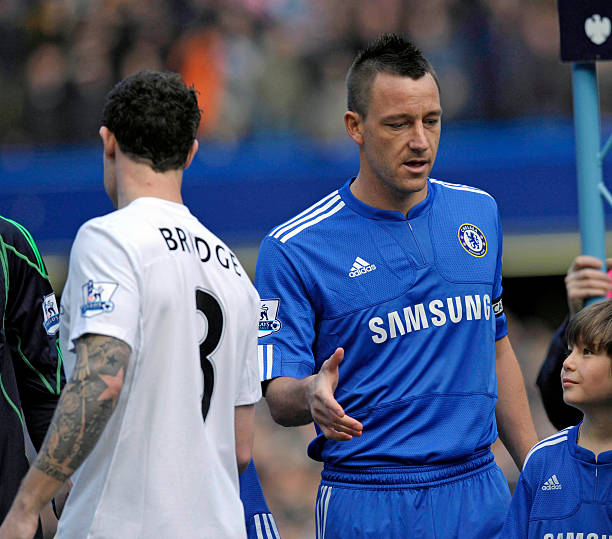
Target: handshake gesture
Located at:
point(325, 409)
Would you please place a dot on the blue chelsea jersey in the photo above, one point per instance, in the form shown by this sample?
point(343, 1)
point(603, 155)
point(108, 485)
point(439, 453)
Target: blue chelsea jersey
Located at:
point(416, 304)
point(564, 492)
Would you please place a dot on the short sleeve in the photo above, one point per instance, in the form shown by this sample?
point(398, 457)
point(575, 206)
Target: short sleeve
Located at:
point(517, 520)
point(287, 318)
point(249, 390)
point(103, 280)
point(501, 324)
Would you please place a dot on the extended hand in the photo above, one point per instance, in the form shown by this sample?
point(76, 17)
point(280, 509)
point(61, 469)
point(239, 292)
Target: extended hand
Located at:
point(325, 410)
point(584, 280)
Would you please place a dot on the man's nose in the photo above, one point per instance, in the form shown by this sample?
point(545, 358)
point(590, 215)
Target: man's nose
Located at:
point(418, 140)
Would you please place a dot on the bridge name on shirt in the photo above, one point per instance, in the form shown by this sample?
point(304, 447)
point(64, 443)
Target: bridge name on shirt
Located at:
point(180, 241)
point(436, 313)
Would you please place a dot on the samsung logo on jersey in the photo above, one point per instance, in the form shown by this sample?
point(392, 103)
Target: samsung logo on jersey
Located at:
point(577, 535)
point(436, 313)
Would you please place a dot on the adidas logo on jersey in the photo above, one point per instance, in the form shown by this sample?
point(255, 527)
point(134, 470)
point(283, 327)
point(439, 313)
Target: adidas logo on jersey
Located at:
point(552, 484)
point(361, 267)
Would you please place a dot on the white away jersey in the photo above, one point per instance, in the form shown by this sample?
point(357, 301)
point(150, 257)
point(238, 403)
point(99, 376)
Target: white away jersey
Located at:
point(165, 466)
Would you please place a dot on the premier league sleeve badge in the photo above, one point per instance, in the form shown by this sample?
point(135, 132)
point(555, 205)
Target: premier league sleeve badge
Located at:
point(97, 298)
point(268, 321)
point(50, 314)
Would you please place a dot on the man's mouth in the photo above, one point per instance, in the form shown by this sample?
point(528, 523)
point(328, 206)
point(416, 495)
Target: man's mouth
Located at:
point(416, 164)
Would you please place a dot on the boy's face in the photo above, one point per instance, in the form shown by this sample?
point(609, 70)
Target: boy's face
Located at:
point(587, 378)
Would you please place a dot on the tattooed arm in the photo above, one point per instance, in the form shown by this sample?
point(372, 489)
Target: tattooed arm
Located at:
point(86, 404)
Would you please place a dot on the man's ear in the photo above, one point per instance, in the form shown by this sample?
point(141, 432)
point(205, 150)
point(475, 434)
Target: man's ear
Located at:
point(109, 141)
point(354, 126)
point(192, 151)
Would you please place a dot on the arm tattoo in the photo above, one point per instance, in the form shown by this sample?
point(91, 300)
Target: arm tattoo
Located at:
point(86, 404)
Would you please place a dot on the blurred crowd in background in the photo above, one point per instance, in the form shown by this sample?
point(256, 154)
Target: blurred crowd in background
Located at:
point(265, 67)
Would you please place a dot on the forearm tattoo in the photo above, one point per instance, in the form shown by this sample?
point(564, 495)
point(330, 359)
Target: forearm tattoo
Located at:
point(86, 404)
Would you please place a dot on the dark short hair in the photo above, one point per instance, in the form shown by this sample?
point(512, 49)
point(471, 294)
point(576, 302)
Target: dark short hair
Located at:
point(388, 53)
point(592, 328)
point(154, 117)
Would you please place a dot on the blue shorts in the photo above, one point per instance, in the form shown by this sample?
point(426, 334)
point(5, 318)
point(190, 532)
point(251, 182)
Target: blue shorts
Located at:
point(260, 523)
point(466, 500)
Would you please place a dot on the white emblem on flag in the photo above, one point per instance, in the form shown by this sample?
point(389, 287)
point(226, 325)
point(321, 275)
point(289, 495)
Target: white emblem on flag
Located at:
point(598, 28)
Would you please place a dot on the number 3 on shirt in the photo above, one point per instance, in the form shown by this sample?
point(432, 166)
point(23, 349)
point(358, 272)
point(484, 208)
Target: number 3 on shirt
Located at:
point(208, 306)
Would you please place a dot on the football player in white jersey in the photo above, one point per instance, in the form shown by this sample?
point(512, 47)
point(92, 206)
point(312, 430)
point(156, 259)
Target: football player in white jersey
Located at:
point(159, 338)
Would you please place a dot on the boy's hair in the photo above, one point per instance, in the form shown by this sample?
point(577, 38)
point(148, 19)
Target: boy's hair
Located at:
point(592, 328)
point(154, 118)
point(388, 53)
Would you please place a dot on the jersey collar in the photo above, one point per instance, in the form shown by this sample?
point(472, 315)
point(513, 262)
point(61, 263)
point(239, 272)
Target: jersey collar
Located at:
point(371, 212)
point(159, 202)
point(583, 454)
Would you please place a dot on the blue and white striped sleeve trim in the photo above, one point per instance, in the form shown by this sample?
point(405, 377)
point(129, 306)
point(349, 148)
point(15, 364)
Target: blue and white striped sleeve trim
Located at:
point(265, 356)
point(460, 187)
point(555, 439)
point(323, 209)
point(265, 527)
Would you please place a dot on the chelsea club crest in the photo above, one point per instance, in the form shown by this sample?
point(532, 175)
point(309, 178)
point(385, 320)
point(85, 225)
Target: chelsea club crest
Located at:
point(472, 240)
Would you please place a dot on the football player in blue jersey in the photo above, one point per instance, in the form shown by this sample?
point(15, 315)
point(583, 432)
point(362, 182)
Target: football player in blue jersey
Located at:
point(565, 488)
point(385, 325)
